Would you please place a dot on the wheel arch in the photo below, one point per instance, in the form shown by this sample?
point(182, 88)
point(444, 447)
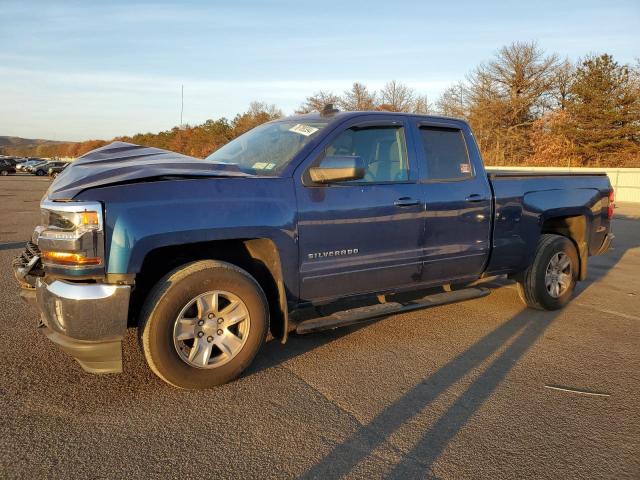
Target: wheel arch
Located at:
point(575, 228)
point(257, 256)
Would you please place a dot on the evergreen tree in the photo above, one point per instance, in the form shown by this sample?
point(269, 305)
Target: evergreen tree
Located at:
point(603, 112)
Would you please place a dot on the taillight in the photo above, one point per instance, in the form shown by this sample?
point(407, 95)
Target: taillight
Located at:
point(611, 204)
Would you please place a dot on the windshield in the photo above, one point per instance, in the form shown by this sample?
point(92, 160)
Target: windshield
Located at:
point(268, 149)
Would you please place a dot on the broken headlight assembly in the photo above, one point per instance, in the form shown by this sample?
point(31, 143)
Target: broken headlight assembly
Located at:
point(71, 237)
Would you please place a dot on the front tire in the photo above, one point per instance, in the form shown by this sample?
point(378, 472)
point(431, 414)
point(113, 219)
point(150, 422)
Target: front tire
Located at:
point(39, 173)
point(549, 281)
point(203, 324)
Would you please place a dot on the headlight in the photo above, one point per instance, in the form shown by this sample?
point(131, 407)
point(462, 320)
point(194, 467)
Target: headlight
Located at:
point(71, 234)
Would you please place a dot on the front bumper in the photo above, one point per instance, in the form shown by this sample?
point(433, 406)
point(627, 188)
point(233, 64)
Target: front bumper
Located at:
point(86, 320)
point(94, 357)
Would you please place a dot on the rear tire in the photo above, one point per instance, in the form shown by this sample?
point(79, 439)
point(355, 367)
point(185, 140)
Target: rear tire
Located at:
point(184, 298)
point(4, 173)
point(549, 281)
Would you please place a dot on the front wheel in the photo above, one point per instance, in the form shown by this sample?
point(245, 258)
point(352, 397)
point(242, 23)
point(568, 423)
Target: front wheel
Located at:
point(549, 281)
point(203, 324)
point(39, 173)
point(4, 173)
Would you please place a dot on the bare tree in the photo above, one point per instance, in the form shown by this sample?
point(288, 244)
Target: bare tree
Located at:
point(452, 101)
point(520, 75)
point(317, 101)
point(358, 98)
point(562, 81)
point(396, 97)
point(258, 113)
point(270, 111)
point(507, 95)
point(421, 105)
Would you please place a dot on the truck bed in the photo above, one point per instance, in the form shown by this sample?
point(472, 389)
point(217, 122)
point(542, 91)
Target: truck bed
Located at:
point(520, 173)
point(523, 201)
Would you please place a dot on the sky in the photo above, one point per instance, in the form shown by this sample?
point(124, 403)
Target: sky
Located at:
point(98, 69)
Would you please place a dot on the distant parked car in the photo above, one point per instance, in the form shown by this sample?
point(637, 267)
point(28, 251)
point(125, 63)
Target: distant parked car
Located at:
point(13, 161)
point(32, 168)
point(55, 170)
point(6, 168)
point(24, 167)
point(43, 169)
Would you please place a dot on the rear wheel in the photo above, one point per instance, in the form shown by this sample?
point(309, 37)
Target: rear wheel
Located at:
point(549, 281)
point(4, 172)
point(203, 324)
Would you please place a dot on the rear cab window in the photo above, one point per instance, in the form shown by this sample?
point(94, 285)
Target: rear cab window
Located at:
point(446, 157)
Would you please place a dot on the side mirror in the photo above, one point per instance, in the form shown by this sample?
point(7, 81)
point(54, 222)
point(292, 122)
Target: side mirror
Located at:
point(337, 168)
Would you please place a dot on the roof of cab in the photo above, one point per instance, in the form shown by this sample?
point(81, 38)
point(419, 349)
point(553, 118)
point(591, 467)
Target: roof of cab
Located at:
point(342, 115)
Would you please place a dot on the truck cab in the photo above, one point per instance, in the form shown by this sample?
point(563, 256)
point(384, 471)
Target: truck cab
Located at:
point(420, 213)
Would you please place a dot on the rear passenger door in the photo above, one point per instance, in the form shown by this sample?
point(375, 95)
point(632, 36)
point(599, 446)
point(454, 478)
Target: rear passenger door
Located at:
point(457, 196)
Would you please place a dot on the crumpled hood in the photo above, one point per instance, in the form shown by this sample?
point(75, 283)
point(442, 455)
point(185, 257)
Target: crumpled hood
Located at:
point(121, 162)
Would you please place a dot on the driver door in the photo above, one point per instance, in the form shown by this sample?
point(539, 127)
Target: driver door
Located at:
point(363, 235)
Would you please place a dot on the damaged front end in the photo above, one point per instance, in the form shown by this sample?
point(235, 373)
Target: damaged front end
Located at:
point(62, 274)
point(27, 267)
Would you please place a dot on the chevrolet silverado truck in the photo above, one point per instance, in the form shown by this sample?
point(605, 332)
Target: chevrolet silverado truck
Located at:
point(208, 257)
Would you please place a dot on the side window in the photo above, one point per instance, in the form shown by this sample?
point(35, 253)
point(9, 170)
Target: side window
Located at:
point(382, 150)
point(445, 153)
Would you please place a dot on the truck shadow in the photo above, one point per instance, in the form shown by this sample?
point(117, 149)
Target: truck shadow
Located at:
point(517, 334)
point(523, 330)
point(12, 246)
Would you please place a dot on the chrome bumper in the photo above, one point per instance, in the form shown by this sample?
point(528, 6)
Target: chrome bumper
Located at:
point(88, 321)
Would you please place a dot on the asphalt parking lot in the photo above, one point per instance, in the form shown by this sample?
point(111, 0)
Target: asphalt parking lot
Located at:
point(482, 389)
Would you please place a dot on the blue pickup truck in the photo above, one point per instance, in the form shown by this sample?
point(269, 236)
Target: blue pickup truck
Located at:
point(208, 257)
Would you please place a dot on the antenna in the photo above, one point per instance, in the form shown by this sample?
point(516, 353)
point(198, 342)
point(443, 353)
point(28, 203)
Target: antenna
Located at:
point(181, 103)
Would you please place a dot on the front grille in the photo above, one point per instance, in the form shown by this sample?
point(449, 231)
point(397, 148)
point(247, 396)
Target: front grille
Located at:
point(32, 249)
point(22, 261)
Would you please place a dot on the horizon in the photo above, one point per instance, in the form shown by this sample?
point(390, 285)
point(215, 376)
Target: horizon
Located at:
point(56, 87)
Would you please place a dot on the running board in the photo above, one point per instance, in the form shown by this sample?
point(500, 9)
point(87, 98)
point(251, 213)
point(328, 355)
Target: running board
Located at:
point(355, 315)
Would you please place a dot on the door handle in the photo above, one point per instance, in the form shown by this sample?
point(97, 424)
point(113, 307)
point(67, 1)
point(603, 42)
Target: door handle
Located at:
point(475, 197)
point(406, 202)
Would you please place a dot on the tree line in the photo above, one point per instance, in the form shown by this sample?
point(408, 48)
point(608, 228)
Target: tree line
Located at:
point(530, 108)
point(526, 107)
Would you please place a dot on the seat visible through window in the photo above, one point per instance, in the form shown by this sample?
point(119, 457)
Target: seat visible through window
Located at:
point(382, 151)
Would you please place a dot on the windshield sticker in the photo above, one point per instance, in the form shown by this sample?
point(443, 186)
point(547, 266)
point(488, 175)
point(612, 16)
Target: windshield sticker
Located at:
point(465, 168)
point(305, 130)
point(263, 166)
